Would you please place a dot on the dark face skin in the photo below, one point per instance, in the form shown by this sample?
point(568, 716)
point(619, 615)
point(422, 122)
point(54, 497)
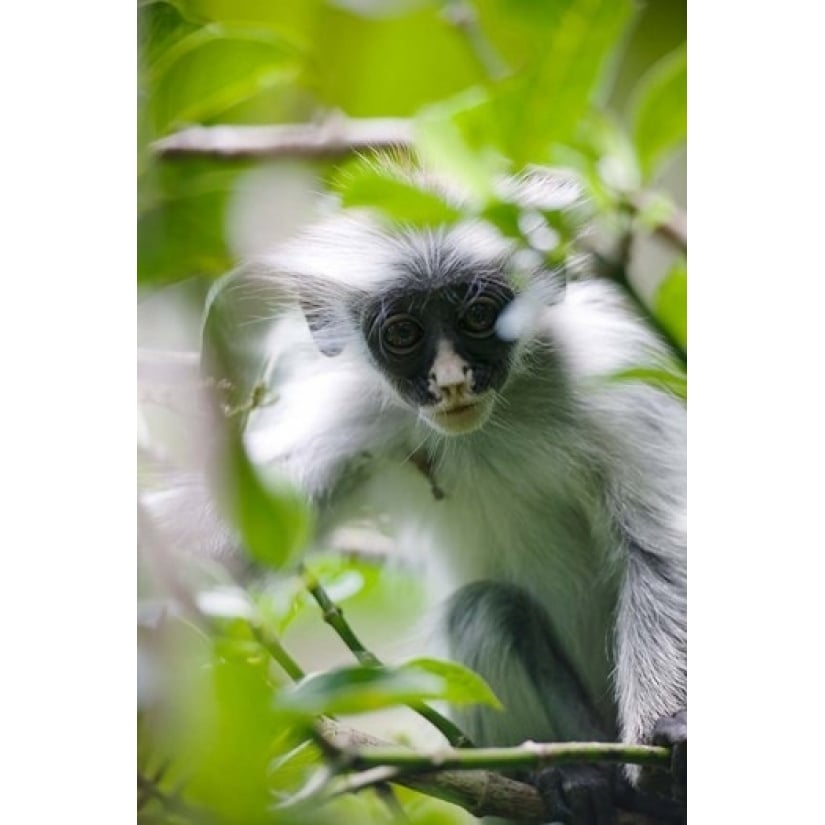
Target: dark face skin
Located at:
point(405, 330)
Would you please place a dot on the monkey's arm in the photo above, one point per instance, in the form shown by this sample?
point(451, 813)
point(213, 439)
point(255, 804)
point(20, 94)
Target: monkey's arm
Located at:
point(651, 621)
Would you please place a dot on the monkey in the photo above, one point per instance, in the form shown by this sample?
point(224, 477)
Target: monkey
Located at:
point(446, 378)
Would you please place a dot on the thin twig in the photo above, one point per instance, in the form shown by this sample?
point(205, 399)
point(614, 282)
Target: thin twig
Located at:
point(529, 755)
point(276, 650)
point(334, 617)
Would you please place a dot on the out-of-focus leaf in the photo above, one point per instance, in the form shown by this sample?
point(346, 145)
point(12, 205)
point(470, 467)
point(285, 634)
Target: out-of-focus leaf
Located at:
point(457, 140)
point(388, 67)
point(670, 304)
point(294, 20)
point(181, 215)
point(361, 689)
point(290, 770)
point(547, 103)
point(212, 69)
point(463, 686)
point(225, 603)
point(366, 184)
point(160, 25)
point(218, 725)
point(657, 209)
point(660, 110)
point(182, 237)
point(273, 519)
point(675, 383)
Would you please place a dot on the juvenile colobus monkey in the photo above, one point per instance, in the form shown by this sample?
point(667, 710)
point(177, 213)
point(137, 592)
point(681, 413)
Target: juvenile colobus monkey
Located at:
point(460, 387)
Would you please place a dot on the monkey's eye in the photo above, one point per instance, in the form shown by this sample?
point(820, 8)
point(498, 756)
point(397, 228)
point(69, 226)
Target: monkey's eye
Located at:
point(479, 318)
point(401, 334)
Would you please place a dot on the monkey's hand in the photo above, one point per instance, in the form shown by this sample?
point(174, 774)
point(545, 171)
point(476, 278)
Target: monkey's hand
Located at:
point(671, 731)
point(577, 794)
point(601, 795)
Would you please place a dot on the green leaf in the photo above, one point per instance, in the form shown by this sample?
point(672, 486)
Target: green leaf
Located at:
point(160, 25)
point(212, 69)
point(368, 184)
point(660, 110)
point(360, 689)
point(463, 686)
point(457, 140)
point(675, 383)
point(181, 218)
point(274, 520)
point(547, 104)
point(670, 304)
point(182, 237)
point(388, 67)
point(219, 724)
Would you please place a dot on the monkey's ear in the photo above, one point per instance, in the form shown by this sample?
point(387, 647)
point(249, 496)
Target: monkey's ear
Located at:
point(324, 323)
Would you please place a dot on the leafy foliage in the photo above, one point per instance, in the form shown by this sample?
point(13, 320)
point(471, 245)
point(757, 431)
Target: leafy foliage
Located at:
point(491, 87)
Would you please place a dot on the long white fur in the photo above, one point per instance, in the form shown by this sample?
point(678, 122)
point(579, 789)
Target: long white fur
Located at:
point(574, 490)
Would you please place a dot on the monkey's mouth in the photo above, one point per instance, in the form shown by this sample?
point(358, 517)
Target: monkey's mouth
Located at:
point(461, 418)
point(458, 408)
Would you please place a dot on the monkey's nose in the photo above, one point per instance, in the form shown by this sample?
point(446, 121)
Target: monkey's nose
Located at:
point(449, 375)
point(453, 393)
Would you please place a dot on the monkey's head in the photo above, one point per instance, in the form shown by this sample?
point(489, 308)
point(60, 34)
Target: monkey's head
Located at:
point(433, 333)
point(439, 312)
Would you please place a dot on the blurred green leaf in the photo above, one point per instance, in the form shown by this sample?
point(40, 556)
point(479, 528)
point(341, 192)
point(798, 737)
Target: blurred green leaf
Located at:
point(457, 139)
point(660, 110)
point(670, 304)
point(463, 686)
point(160, 25)
point(212, 69)
point(181, 237)
point(290, 770)
point(371, 67)
point(364, 183)
point(359, 689)
point(274, 520)
point(656, 210)
point(548, 101)
point(675, 383)
point(218, 725)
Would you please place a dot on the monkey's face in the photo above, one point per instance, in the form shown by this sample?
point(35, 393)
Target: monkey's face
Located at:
point(440, 350)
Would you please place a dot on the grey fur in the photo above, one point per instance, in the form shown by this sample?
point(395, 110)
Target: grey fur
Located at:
point(563, 517)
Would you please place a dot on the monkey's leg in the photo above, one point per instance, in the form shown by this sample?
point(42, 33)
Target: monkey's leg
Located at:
point(502, 633)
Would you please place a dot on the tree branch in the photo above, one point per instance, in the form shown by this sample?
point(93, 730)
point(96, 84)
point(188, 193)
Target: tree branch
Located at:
point(482, 793)
point(335, 135)
point(334, 617)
